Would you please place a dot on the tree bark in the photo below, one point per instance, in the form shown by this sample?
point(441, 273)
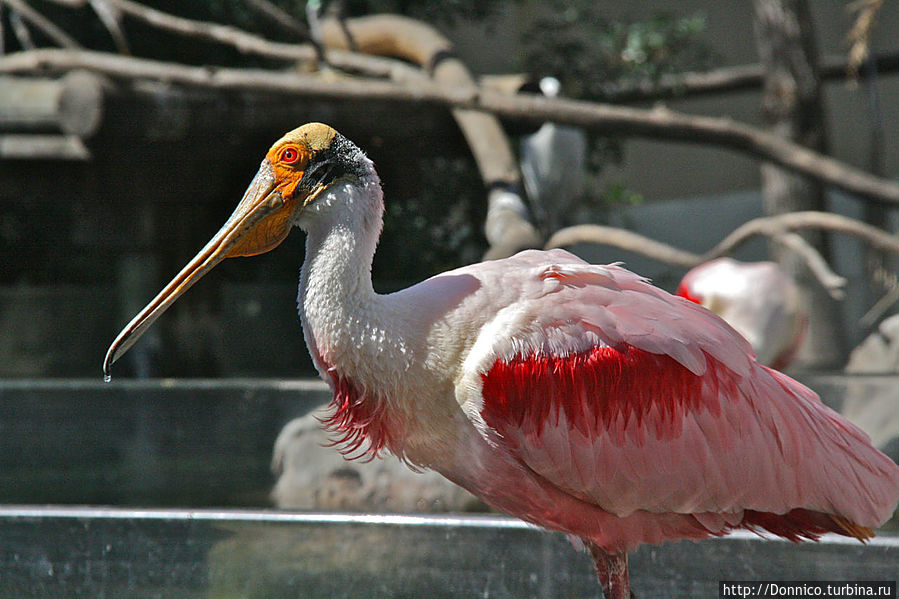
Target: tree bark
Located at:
point(792, 108)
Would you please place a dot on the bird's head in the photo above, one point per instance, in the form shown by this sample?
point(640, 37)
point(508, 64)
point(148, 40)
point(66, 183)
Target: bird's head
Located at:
point(296, 170)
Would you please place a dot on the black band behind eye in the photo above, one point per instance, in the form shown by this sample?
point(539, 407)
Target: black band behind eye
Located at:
point(332, 163)
point(317, 173)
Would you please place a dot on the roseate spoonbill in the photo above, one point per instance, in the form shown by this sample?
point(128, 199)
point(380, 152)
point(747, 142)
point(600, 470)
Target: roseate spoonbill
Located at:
point(758, 299)
point(576, 397)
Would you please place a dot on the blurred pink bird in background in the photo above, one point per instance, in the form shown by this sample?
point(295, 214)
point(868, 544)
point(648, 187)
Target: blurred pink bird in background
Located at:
point(576, 397)
point(758, 299)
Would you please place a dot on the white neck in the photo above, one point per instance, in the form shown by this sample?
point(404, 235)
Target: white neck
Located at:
point(342, 230)
point(345, 322)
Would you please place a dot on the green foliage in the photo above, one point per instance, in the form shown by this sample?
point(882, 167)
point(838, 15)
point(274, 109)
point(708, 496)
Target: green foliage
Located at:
point(579, 46)
point(589, 53)
point(617, 193)
point(602, 194)
point(434, 222)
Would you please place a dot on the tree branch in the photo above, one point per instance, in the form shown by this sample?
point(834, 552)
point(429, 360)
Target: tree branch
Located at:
point(507, 227)
point(277, 15)
point(781, 228)
point(725, 79)
point(625, 240)
point(250, 44)
point(44, 24)
point(660, 123)
point(795, 221)
point(830, 281)
point(602, 118)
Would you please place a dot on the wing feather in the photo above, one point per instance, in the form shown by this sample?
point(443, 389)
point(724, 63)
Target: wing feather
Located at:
point(635, 400)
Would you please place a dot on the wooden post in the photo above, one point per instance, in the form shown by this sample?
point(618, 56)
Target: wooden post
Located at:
point(70, 105)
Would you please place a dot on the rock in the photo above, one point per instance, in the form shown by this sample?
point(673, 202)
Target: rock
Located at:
point(872, 402)
point(312, 474)
point(879, 352)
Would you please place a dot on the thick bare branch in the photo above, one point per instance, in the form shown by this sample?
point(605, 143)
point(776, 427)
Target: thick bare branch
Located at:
point(602, 118)
point(507, 227)
point(661, 123)
point(626, 240)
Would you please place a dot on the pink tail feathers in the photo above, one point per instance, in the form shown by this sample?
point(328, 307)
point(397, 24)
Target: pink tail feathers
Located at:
point(862, 484)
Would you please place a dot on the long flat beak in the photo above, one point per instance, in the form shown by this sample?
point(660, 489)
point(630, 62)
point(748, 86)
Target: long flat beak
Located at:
point(244, 234)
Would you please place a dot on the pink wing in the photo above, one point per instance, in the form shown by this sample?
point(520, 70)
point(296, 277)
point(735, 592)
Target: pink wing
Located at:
point(631, 399)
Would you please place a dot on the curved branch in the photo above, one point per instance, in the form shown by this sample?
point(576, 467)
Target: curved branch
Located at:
point(832, 282)
point(794, 221)
point(262, 80)
point(661, 123)
point(507, 227)
point(781, 228)
point(626, 240)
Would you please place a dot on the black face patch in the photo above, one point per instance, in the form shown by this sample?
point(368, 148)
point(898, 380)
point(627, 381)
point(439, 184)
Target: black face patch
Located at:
point(319, 173)
point(341, 158)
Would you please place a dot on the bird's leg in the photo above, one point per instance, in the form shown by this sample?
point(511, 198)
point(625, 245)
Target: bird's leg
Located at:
point(612, 571)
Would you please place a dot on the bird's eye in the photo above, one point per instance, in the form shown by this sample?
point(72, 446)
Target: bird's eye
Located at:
point(289, 155)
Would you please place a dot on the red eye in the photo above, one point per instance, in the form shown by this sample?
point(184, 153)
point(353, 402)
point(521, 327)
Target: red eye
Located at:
point(289, 155)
